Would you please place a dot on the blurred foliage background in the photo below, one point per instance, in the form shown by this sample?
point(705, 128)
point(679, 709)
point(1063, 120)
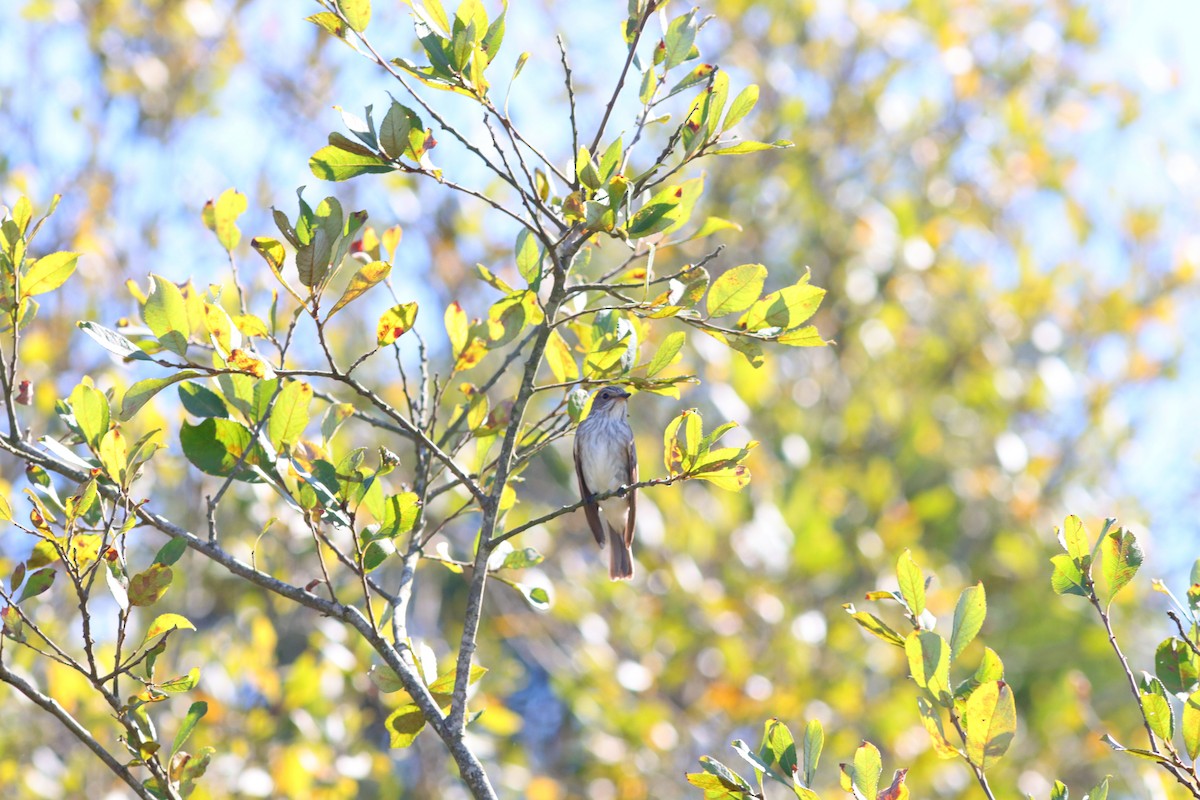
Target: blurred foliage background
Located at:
point(1007, 295)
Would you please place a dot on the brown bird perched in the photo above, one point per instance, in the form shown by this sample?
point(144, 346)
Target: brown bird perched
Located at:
point(606, 460)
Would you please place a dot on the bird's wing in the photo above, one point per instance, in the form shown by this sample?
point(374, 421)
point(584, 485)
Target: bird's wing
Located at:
point(590, 509)
point(632, 475)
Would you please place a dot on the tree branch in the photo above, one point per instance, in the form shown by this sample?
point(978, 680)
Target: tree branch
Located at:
point(51, 706)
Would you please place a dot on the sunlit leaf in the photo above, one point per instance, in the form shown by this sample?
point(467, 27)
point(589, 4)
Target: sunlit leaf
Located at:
point(736, 289)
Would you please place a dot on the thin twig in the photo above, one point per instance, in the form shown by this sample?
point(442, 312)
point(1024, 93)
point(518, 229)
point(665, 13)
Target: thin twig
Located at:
point(562, 50)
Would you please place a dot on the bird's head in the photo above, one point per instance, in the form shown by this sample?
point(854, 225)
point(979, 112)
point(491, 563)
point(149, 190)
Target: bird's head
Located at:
point(610, 401)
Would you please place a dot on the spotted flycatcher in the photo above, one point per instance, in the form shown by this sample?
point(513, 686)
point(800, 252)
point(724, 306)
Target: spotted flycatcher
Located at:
point(606, 460)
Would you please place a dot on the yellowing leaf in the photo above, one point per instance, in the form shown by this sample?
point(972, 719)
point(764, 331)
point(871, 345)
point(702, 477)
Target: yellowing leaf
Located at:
point(561, 360)
point(356, 12)
point(289, 415)
point(787, 308)
point(367, 276)
point(166, 315)
point(220, 217)
point(167, 622)
point(395, 322)
point(736, 290)
point(48, 273)
point(457, 327)
point(991, 723)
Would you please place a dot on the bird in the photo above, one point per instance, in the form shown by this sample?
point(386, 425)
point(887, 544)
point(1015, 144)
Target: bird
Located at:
point(605, 461)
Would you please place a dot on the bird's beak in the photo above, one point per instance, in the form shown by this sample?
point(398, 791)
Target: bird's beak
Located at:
point(625, 395)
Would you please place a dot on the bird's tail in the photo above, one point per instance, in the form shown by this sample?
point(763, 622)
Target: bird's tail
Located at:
point(620, 557)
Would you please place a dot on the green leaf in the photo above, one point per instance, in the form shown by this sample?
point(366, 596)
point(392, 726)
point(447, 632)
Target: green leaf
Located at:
point(787, 308)
point(1075, 540)
point(333, 163)
point(1157, 711)
point(991, 668)
point(90, 407)
point(200, 401)
point(1120, 557)
point(37, 582)
point(395, 131)
point(814, 741)
point(404, 724)
point(112, 341)
point(184, 683)
point(742, 105)
point(863, 773)
point(874, 625)
point(289, 416)
point(395, 322)
point(678, 41)
point(148, 586)
point(929, 663)
point(220, 217)
point(991, 723)
point(144, 390)
point(666, 353)
point(726, 778)
point(215, 445)
point(1176, 666)
point(1099, 792)
point(1067, 578)
point(689, 193)
point(750, 147)
point(736, 290)
point(658, 214)
point(166, 315)
point(521, 559)
point(356, 12)
point(400, 514)
point(912, 583)
point(48, 273)
point(171, 552)
point(1190, 725)
point(529, 258)
point(190, 721)
point(968, 618)
point(698, 75)
point(536, 596)
point(778, 748)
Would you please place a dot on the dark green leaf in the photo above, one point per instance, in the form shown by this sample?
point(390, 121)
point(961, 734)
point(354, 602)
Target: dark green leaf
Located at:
point(37, 582)
point(215, 445)
point(200, 401)
point(171, 552)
